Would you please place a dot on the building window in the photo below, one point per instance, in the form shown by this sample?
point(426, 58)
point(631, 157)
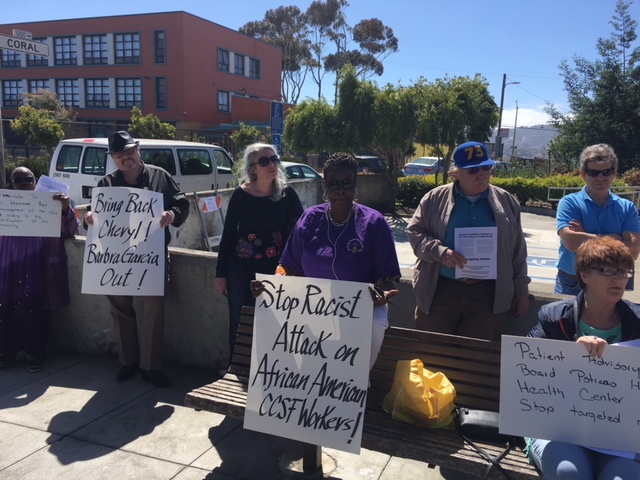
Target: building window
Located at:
point(238, 64)
point(127, 48)
point(223, 60)
point(66, 50)
point(254, 68)
point(35, 85)
point(160, 46)
point(68, 92)
point(97, 93)
point(223, 101)
point(161, 93)
point(10, 58)
point(95, 50)
point(128, 92)
point(37, 60)
point(11, 90)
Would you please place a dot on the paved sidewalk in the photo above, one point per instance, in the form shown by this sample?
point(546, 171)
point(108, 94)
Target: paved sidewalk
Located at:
point(72, 421)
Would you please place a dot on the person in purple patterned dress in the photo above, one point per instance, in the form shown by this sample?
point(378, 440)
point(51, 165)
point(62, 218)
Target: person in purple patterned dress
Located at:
point(33, 282)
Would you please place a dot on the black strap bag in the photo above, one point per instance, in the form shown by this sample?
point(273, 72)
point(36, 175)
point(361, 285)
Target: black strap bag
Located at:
point(482, 425)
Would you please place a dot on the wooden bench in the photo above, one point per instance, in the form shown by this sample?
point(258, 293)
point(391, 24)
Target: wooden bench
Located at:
point(472, 365)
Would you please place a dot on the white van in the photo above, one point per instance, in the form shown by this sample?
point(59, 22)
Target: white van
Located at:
point(196, 167)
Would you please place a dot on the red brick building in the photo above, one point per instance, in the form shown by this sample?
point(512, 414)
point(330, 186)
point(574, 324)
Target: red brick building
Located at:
point(193, 73)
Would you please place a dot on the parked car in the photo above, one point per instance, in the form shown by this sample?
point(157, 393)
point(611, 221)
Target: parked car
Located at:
point(371, 164)
point(424, 166)
point(299, 170)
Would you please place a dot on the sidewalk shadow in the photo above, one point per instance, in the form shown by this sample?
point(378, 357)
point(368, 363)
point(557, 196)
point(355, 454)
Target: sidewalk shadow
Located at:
point(141, 427)
point(269, 455)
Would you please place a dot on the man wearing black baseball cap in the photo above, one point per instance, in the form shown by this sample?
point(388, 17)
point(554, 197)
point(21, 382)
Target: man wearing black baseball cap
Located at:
point(470, 307)
point(142, 352)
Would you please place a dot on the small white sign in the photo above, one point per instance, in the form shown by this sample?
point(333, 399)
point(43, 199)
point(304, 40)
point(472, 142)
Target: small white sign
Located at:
point(555, 390)
point(22, 34)
point(479, 245)
point(310, 361)
point(48, 184)
point(29, 214)
point(124, 253)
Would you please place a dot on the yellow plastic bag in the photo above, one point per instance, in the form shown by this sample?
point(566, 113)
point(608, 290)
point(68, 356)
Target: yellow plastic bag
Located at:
point(419, 396)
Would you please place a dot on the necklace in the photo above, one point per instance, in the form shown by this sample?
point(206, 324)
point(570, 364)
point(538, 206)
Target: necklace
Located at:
point(338, 224)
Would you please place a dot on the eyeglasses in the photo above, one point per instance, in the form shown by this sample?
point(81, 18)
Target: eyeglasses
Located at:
point(264, 161)
point(346, 184)
point(20, 180)
point(124, 153)
point(607, 172)
point(613, 271)
point(476, 170)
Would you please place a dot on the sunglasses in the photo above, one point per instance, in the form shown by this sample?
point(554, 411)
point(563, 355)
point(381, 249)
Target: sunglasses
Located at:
point(124, 153)
point(346, 184)
point(21, 180)
point(607, 172)
point(264, 161)
point(613, 271)
point(476, 170)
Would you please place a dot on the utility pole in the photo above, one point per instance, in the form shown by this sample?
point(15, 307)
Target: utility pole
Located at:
point(498, 137)
point(515, 129)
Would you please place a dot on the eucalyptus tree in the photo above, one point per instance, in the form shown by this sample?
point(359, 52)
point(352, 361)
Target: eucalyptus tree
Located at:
point(287, 28)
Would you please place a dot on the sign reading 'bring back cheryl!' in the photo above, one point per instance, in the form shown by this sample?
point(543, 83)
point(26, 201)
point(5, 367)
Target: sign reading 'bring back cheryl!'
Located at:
point(310, 361)
point(555, 390)
point(124, 252)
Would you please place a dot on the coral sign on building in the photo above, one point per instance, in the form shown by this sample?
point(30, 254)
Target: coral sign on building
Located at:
point(24, 45)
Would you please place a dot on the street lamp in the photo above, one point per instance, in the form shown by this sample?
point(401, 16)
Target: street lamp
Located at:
point(498, 137)
point(515, 129)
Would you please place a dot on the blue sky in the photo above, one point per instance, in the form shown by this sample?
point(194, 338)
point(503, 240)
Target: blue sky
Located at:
point(526, 39)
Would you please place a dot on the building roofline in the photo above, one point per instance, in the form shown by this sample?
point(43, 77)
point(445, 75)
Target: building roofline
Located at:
point(111, 17)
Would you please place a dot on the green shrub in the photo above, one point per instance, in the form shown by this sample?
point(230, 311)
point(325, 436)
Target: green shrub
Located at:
point(632, 177)
point(38, 165)
point(535, 189)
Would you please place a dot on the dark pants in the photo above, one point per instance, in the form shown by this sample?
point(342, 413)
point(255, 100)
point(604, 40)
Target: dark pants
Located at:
point(465, 310)
point(146, 348)
point(238, 294)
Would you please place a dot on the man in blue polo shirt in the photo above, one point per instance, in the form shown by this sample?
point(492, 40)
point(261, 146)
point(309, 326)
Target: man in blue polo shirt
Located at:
point(591, 212)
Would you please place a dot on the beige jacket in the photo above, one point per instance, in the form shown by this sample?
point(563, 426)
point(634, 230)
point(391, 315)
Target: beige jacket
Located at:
point(428, 228)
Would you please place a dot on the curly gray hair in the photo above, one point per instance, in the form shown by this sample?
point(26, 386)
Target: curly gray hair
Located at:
point(599, 153)
point(249, 170)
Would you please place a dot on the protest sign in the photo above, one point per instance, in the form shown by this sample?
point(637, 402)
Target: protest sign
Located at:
point(124, 252)
point(29, 214)
point(310, 361)
point(555, 390)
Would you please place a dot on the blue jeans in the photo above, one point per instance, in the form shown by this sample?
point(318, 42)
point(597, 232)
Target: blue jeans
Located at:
point(566, 285)
point(560, 460)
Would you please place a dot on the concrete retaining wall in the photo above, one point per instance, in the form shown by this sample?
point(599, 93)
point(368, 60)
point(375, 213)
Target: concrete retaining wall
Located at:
point(196, 316)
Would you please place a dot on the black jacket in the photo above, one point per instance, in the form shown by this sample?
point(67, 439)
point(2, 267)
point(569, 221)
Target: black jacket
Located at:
point(559, 320)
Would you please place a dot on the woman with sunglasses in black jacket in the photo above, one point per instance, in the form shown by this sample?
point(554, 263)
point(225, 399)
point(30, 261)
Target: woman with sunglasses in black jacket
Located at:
point(260, 215)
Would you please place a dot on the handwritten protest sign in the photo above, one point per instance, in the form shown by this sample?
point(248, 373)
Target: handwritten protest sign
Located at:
point(310, 361)
point(554, 390)
point(124, 252)
point(29, 214)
